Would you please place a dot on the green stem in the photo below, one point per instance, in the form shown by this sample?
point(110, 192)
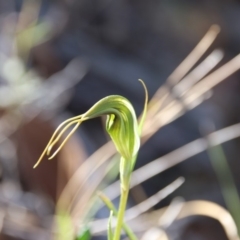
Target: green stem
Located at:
point(112, 208)
point(125, 173)
point(227, 183)
point(121, 211)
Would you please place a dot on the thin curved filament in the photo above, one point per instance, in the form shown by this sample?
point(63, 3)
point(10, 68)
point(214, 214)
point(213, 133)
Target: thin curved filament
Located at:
point(56, 136)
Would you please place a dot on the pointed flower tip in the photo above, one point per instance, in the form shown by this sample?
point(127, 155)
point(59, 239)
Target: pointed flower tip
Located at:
point(57, 135)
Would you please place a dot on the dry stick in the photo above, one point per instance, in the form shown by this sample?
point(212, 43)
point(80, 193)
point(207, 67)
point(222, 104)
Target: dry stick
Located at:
point(173, 158)
point(100, 225)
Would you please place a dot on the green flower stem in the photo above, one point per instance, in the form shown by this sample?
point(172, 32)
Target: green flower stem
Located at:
point(111, 207)
point(125, 174)
point(226, 180)
point(122, 207)
point(110, 233)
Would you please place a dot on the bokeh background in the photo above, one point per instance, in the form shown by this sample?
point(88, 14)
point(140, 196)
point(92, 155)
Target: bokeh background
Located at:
point(59, 57)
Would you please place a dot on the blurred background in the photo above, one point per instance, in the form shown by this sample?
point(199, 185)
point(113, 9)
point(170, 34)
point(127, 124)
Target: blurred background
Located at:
point(59, 57)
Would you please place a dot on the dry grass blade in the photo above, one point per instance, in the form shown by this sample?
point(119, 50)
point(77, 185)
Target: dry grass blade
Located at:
point(153, 200)
point(191, 98)
point(181, 154)
point(212, 210)
point(173, 104)
point(191, 208)
point(81, 207)
point(185, 66)
point(155, 234)
point(171, 212)
point(186, 209)
point(213, 79)
point(199, 72)
point(101, 225)
point(194, 56)
point(174, 110)
point(196, 207)
point(84, 172)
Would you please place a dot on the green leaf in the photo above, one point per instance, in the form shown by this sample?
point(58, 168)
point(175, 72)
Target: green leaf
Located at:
point(65, 227)
point(84, 234)
point(110, 233)
point(114, 212)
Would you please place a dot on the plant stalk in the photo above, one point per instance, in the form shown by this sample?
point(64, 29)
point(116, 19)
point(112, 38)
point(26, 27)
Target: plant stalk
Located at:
point(125, 174)
point(226, 180)
point(121, 211)
point(112, 208)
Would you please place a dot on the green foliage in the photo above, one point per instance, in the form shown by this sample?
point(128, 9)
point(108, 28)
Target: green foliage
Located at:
point(225, 177)
point(65, 227)
point(110, 233)
point(84, 234)
point(114, 212)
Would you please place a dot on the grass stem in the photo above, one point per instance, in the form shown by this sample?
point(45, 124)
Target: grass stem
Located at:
point(226, 181)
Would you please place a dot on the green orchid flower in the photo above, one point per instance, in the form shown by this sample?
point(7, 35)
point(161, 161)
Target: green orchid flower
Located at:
point(121, 125)
point(124, 130)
